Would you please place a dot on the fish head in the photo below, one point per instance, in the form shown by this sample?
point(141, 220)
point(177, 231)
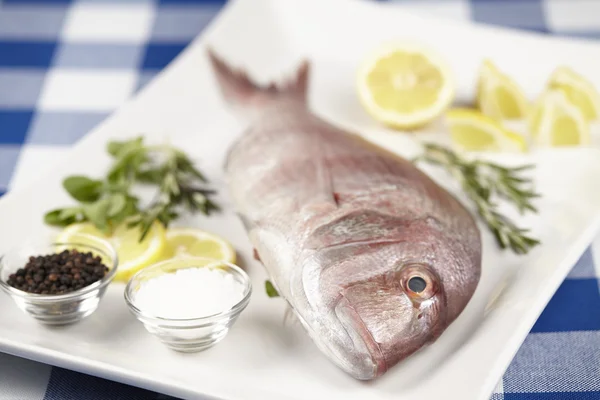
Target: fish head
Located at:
point(392, 291)
point(393, 314)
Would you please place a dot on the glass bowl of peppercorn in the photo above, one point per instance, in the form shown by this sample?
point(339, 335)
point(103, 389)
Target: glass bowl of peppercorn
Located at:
point(58, 283)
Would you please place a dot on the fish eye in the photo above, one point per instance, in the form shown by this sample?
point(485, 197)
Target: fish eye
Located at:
point(419, 281)
point(417, 284)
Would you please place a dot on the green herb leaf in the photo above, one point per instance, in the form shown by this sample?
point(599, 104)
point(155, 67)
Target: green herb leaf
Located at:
point(186, 166)
point(116, 204)
point(114, 148)
point(117, 148)
point(52, 217)
point(82, 188)
point(97, 213)
point(71, 212)
point(151, 175)
point(62, 216)
point(270, 289)
point(129, 160)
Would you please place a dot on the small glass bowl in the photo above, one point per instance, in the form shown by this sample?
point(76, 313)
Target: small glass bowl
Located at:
point(60, 309)
point(191, 334)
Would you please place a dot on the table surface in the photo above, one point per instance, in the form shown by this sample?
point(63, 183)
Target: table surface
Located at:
point(66, 65)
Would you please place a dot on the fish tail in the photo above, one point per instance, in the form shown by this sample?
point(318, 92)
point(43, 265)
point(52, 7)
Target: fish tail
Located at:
point(239, 91)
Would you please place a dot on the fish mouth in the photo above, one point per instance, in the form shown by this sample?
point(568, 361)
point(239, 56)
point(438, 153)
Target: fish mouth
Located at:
point(366, 358)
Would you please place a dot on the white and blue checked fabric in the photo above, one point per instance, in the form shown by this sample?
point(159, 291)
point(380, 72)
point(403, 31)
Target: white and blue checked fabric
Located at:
point(66, 64)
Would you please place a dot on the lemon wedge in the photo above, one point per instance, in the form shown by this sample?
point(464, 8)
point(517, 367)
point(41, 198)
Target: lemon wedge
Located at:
point(556, 121)
point(405, 85)
point(471, 130)
point(183, 242)
point(499, 96)
point(132, 254)
point(579, 91)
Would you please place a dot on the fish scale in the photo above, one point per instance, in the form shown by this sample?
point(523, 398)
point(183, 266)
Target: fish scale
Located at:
point(343, 226)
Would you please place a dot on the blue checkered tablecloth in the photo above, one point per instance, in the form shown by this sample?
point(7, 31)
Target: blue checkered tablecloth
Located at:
point(65, 65)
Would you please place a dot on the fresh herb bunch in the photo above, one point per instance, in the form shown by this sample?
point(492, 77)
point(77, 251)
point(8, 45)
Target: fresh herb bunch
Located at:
point(109, 202)
point(484, 183)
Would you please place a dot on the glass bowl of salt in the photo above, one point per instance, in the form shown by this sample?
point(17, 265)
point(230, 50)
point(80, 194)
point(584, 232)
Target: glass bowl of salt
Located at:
point(189, 303)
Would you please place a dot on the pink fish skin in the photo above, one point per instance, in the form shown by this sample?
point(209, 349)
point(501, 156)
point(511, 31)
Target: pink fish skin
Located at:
point(374, 258)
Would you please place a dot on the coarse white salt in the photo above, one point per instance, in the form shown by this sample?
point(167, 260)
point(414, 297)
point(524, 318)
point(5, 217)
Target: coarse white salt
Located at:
point(189, 293)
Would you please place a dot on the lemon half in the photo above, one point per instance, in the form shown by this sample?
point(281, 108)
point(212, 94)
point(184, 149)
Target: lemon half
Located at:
point(578, 90)
point(471, 130)
point(183, 242)
point(405, 85)
point(133, 255)
point(499, 96)
point(556, 121)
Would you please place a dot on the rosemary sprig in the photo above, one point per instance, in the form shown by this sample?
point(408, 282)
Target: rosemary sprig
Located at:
point(485, 182)
point(110, 201)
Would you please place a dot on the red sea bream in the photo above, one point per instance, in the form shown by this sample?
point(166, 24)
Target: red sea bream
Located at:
point(374, 258)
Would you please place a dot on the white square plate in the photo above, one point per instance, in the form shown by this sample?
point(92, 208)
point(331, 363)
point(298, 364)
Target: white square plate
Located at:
point(261, 358)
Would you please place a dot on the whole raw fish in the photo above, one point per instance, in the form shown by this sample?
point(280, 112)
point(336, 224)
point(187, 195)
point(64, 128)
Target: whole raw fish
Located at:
point(375, 259)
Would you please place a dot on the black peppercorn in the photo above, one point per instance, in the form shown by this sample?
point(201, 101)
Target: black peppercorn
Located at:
point(58, 273)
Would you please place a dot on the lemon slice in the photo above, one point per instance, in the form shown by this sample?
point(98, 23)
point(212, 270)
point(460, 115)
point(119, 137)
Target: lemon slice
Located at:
point(579, 91)
point(471, 130)
point(556, 121)
point(133, 255)
point(405, 85)
point(498, 96)
point(183, 242)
